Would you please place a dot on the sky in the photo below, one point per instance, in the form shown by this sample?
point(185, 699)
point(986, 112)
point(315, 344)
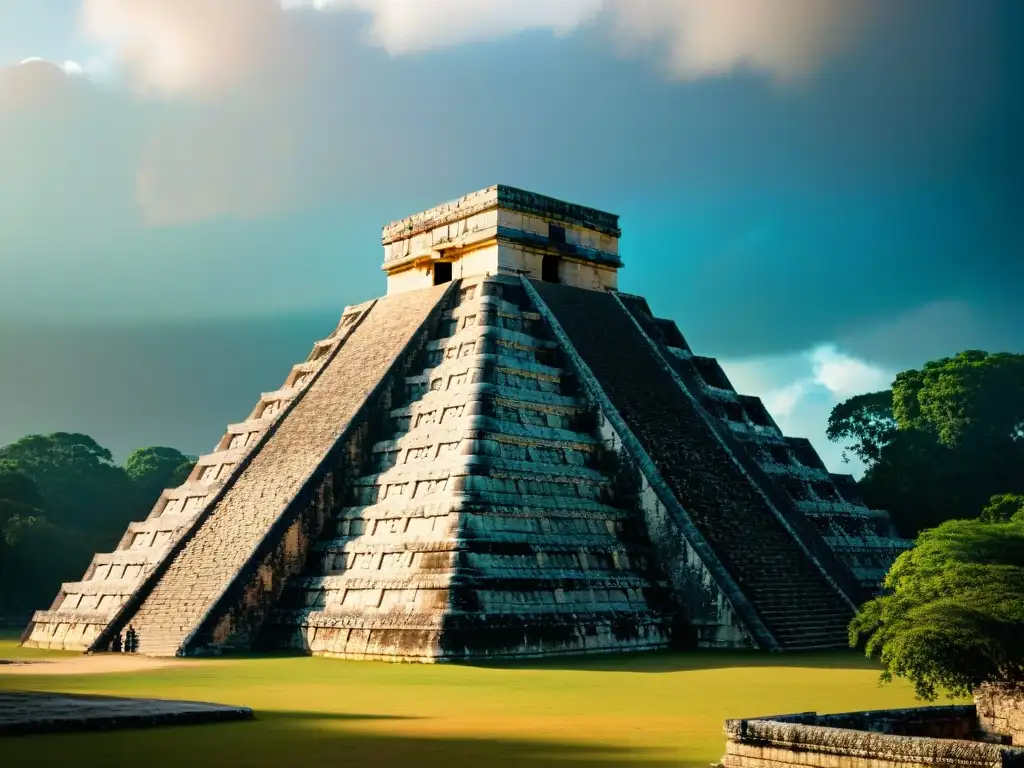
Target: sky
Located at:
point(819, 193)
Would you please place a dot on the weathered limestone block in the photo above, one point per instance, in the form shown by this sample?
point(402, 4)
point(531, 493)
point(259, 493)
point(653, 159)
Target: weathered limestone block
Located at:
point(23, 713)
point(1001, 711)
point(926, 736)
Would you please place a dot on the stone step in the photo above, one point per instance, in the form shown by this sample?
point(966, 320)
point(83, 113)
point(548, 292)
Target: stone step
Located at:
point(193, 582)
point(722, 500)
point(478, 464)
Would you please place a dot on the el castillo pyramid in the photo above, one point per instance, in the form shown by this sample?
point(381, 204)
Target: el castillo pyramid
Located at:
point(505, 456)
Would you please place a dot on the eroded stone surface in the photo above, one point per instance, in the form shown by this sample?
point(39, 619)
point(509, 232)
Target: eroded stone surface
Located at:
point(24, 712)
point(924, 736)
point(1001, 711)
point(774, 567)
point(790, 468)
point(486, 523)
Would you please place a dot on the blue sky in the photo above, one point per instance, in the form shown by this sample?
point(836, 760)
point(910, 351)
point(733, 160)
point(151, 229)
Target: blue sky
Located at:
point(819, 193)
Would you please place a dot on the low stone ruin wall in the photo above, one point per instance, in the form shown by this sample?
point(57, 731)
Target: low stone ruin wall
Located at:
point(924, 736)
point(1001, 711)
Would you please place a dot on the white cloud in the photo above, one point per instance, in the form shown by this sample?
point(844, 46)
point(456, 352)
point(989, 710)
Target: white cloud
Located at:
point(800, 391)
point(410, 26)
point(247, 59)
point(198, 46)
point(188, 46)
point(845, 376)
point(785, 38)
point(782, 402)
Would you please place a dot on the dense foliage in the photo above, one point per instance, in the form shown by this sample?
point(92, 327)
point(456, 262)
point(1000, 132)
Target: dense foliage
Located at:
point(953, 613)
point(1003, 508)
point(153, 469)
point(943, 440)
point(63, 498)
point(21, 505)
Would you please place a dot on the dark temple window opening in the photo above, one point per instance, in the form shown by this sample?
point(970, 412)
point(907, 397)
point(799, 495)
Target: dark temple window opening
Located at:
point(549, 269)
point(442, 272)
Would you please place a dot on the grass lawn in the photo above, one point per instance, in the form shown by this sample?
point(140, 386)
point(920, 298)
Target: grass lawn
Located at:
point(662, 709)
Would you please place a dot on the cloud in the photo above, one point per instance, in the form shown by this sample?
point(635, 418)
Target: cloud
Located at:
point(34, 86)
point(244, 61)
point(699, 38)
point(933, 330)
point(845, 376)
point(800, 391)
point(196, 47)
point(199, 47)
point(412, 26)
point(786, 38)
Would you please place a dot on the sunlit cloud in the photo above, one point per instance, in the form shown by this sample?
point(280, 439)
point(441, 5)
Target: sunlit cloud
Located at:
point(411, 26)
point(788, 39)
point(197, 46)
point(177, 47)
point(800, 390)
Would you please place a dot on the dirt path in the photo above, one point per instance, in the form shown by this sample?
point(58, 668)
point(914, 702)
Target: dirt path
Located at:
point(88, 665)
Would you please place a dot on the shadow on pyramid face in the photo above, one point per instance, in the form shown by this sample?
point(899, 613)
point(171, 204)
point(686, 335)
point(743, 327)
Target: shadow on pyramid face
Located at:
point(317, 738)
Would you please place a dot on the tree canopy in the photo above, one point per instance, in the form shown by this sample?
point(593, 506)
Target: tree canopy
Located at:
point(21, 505)
point(943, 440)
point(155, 468)
point(972, 399)
point(866, 423)
point(63, 498)
point(78, 479)
point(953, 614)
point(1003, 508)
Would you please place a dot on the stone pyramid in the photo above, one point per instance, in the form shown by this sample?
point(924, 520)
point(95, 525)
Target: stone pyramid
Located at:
point(505, 456)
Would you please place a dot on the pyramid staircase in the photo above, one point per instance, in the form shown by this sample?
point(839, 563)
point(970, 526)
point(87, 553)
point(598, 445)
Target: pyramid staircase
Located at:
point(487, 522)
point(82, 609)
point(789, 579)
point(788, 469)
point(182, 568)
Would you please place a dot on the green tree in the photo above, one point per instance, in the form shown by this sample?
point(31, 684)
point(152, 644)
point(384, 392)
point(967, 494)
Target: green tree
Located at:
point(21, 504)
point(21, 511)
point(1003, 508)
point(953, 614)
point(974, 399)
point(153, 469)
point(81, 485)
point(89, 501)
point(865, 423)
point(944, 439)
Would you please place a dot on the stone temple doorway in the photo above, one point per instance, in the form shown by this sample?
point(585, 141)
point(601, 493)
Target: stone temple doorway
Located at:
point(549, 269)
point(442, 272)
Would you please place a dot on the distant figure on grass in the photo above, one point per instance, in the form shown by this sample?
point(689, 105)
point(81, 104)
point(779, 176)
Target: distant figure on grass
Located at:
point(131, 640)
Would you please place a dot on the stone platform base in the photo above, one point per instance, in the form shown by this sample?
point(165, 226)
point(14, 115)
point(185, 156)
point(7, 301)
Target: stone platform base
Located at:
point(24, 712)
point(922, 737)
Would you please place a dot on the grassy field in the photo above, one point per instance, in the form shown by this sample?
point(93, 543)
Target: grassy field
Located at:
point(650, 710)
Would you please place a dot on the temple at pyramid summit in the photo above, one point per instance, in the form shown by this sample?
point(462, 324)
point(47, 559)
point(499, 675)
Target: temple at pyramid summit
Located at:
point(504, 456)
